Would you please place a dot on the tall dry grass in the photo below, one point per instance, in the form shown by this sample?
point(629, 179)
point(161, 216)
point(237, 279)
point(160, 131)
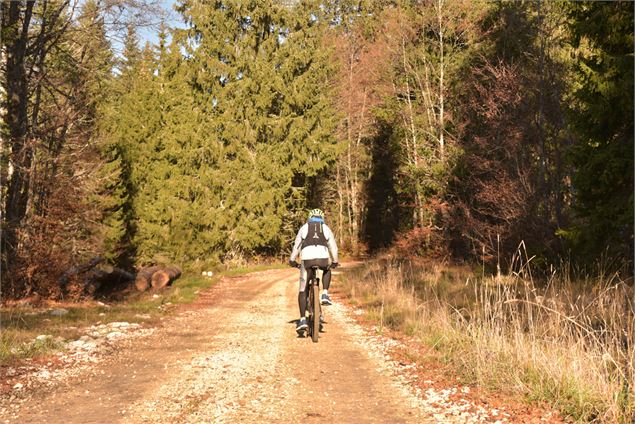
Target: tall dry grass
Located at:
point(568, 342)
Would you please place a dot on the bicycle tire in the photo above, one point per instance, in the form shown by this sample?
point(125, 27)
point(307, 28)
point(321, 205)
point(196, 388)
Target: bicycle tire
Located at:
point(309, 299)
point(315, 325)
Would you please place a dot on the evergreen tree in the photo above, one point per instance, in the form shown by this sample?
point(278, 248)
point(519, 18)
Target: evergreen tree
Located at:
point(123, 115)
point(602, 107)
point(263, 109)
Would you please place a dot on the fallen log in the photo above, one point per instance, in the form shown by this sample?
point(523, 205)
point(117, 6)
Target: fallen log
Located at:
point(165, 276)
point(116, 275)
point(79, 269)
point(144, 277)
point(108, 279)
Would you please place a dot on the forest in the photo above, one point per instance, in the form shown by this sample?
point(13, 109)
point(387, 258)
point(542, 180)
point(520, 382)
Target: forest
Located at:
point(442, 129)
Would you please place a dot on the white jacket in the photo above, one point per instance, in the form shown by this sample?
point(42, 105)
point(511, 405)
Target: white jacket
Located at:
point(314, 252)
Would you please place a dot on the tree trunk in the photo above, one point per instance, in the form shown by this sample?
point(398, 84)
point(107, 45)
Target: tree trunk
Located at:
point(340, 205)
point(15, 32)
point(441, 83)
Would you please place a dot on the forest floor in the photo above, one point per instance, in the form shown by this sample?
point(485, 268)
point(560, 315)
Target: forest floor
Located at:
point(233, 356)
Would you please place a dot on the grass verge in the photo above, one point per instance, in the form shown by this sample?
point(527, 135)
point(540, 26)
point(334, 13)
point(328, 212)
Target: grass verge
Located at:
point(566, 343)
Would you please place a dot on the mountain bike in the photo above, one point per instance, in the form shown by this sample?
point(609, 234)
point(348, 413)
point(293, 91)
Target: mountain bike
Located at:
point(314, 306)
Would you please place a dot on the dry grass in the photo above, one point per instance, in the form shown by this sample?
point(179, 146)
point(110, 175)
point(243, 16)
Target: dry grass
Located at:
point(568, 343)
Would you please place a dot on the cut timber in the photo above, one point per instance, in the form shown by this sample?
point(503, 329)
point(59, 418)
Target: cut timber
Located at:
point(107, 280)
point(165, 276)
point(79, 269)
point(116, 274)
point(144, 276)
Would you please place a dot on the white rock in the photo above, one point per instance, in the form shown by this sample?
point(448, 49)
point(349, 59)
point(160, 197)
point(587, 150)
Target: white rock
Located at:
point(43, 337)
point(119, 324)
point(44, 374)
point(115, 335)
point(76, 344)
point(58, 312)
point(84, 344)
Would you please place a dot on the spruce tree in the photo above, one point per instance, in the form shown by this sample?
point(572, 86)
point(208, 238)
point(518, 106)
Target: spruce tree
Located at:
point(123, 118)
point(602, 112)
point(262, 107)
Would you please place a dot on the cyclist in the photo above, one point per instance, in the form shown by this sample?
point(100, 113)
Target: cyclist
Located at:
point(314, 242)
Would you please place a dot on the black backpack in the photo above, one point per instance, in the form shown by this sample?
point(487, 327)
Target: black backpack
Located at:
point(315, 236)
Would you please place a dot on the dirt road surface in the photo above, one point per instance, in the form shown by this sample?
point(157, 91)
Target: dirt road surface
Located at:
point(233, 356)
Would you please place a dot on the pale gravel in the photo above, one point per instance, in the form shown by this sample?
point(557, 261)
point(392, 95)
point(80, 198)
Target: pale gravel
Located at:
point(77, 358)
point(437, 403)
point(235, 364)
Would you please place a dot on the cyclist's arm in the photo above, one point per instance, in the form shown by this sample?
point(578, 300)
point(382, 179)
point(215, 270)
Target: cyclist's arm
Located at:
point(330, 239)
point(296, 245)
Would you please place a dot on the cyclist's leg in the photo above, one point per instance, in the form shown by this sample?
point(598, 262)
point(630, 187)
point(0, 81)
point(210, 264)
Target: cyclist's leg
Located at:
point(303, 294)
point(326, 279)
point(302, 291)
point(325, 299)
point(302, 303)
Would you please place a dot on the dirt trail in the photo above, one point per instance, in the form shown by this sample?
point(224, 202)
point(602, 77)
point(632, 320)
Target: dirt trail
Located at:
point(233, 356)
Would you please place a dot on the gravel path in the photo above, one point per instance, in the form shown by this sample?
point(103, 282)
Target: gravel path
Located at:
point(234, 356)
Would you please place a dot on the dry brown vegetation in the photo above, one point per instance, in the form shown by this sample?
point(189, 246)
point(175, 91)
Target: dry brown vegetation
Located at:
point(564, 341)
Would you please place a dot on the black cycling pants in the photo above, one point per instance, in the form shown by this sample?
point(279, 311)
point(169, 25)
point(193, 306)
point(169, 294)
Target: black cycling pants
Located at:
point(322, 264)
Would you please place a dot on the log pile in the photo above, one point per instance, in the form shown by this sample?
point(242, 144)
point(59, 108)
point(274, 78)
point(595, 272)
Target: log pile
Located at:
point(144, 277)
point(98, 279)
point(94, 278)
point(156, 277)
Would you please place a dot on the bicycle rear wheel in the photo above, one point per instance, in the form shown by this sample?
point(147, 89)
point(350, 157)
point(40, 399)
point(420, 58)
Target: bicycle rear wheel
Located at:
point(315, 325)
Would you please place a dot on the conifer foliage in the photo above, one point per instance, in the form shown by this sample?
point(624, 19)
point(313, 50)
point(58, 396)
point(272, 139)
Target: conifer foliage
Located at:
point(216, 126)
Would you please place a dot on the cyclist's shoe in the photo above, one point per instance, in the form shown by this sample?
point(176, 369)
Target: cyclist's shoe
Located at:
point(301, 326)
point(325, 300)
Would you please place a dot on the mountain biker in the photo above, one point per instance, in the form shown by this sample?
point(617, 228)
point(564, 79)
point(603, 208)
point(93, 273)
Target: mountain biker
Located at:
point(314, 242)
